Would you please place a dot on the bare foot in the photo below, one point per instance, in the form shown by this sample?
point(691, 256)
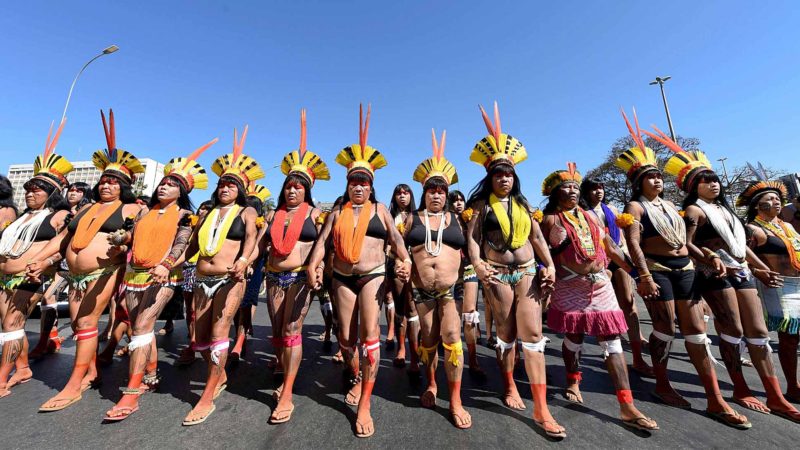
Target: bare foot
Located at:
point(513, 400)
point(428, 398)
point(461, 418)
point(643, 369)
point(89, 380)
point(752, 404)
point(672, 398)
point(353, 395)
point(21, 376)
point(364, 425)
point(4, 391)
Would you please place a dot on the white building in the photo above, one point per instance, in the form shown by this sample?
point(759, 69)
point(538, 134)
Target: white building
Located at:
point(85, 171)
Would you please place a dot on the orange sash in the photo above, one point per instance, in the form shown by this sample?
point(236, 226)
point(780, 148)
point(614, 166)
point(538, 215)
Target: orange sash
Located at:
point(154, 235)
point(284, 238)
point(347, 239)
point(91, 222)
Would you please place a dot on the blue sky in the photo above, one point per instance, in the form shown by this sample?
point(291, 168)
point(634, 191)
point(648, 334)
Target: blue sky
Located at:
point(191, 71)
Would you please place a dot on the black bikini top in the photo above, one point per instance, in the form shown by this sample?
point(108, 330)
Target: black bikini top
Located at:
point(773, 246)
point(375, 228)
point(46, 230)
point(452, 237)
point(307, 234)
point(115, 221)
point(237, 230)
point(648, 229)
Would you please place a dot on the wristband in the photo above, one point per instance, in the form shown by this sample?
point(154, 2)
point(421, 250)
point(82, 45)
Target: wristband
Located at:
point(168, 263)
point(244, 260)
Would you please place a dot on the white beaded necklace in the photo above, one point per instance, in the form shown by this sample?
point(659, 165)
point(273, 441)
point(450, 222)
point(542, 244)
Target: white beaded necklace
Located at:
point(433, 251)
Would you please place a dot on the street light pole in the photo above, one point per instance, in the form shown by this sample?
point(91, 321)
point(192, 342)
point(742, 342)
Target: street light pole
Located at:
point(727, 180)
point(660, 82)
point(107, 51)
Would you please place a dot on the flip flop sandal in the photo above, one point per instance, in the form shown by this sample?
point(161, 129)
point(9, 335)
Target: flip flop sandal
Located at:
point(67, 402)
point(722, 417)
point(464, 426)
point(561, 434)
point(578, 397)
point(126, 412)
point(189, 423)
point(283, 419)
point(219, 389)
point(662, 398)
point(793, 415)
point(362, 434)
point(637, 425)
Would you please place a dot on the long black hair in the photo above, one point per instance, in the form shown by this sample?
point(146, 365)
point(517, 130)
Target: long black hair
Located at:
point(359, 176)
point(587, 185)
point(85, 189)
point(394, 208)
point(55, 201)
point(241, 197)
point(295, 178)
point(256, 203)
point(454, 196)
point(7, 194)
point(184, 202)
point(708, 176)
point(126, 195)
point(483, 189)
point(752, 208)
point(637, 188)
point(435, 183)
point(208, 205)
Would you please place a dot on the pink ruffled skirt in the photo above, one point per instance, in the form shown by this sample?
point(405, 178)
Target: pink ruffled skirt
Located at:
point(581, 306)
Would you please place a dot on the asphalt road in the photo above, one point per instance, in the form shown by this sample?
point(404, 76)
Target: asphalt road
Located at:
point(322, 419)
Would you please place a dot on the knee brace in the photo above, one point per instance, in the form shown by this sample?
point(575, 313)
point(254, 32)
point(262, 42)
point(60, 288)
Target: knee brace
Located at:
point(424, 353)
point(611, 347)
point(11, 336)
point(666, 338)
point(368, 348)
point(702, 339)
point(85, 334)
point(141, 340)
point(736, 341)
point(413, 319)
point(573, 347)
point(471, 318)
point(455, 350)
point(390, 306)
point(217, 347)
point(293, 340)
point(502, 347)
point(761, 342)
point(535, 346)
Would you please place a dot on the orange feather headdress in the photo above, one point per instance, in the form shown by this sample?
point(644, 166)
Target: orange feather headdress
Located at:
point(114, 161)
point(436, 166)
point(361, 156)
point(49, 166)
point(497, 147)
point(237, 165)
point(304, 162)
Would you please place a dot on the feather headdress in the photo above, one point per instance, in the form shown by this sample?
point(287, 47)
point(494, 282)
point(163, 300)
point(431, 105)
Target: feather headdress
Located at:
point(761, 185)
point(361, 156)
point(114, 161)
point(258, 191)
point(497, 147)
point(683, 165)
point(559, 177)
point(188, 170)
point(639, 159)
point(238, 165)
point(304, 162)
point(436, 166)
point(50, 166)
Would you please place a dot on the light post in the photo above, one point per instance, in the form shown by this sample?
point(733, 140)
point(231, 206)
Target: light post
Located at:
point(727, 180)
point(106, 51)
point(660, 82)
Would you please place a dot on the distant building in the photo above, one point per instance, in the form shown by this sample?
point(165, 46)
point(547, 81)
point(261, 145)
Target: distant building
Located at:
point(85, 171)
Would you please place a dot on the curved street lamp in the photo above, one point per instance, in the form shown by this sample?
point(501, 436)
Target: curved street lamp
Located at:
point(660, 82)
point(106, 51)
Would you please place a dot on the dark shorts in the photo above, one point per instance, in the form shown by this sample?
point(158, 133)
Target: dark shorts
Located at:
point(705, 283)
point(676, 283)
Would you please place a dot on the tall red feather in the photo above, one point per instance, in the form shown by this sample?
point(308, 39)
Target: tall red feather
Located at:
point(196, 154)
point(664, 139)
point(302, 150)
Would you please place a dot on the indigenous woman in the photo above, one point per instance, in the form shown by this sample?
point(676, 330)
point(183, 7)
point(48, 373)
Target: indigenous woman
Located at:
point(158, 241)
point(504, 242)
point(187, 355)
point(656, 237)
point(592, 199)
point(79, 194)
point(291, 233)
point(96, 245)
point(466, 289)
point(361, 228)
point(583, 301)
point(225, 239)
point(726, 272)
point(398, 295)
point(243, 320)
point(43, 218)
point(777, 243)
point(436, 239)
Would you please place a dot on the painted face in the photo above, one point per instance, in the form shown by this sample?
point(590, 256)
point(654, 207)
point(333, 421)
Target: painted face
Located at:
point(708, 189)
point(358, 191)
point(502, 183)
point(568, 194)
point(74, 196)
point(168, 190)
point(652, 184)
point(769, 204)
point(109, 188)
point(435, 199)
point(597, 194)
point(35, 197)
point(458, 205)
point(227, 192)
point(403, 198)
point(294, 193)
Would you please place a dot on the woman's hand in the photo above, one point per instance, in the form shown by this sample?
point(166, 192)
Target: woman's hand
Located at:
point(160, 274)
point(314, 277)
point(719, 267)
point(34, 269)
point(238, 269)
point(768, 277)
point(648, 289)
point(403, 271)
point(486, 274)
point(548, 279)
point(118, 238)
